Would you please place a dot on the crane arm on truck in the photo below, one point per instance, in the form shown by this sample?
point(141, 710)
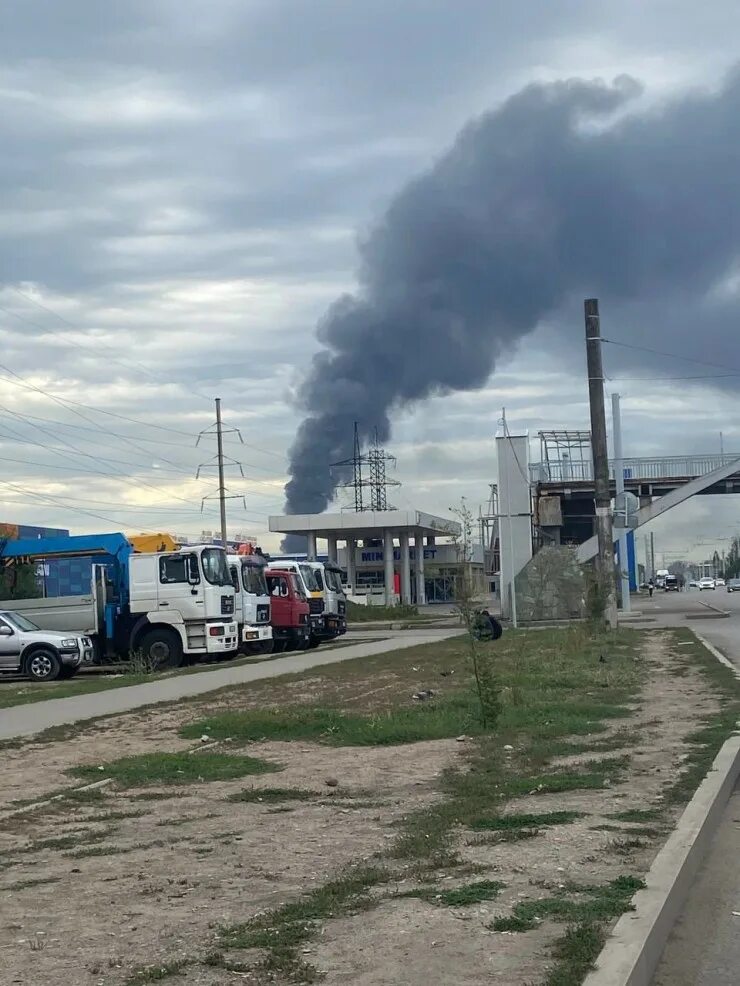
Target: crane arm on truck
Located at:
point(115, 545)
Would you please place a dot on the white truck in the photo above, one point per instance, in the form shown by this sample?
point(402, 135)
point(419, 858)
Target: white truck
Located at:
point(171, 607)
point(252, 603)
point(329, 578)
point(326, 598)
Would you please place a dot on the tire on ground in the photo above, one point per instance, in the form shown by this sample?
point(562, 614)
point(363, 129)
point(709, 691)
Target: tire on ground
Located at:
point(42, 664)
point(162, 648)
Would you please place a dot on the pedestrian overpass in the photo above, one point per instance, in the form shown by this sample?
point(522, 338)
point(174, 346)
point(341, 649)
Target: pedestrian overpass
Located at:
point(563, 491)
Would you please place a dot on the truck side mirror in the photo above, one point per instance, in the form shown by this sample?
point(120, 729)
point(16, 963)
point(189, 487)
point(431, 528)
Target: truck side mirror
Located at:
point(193, 573)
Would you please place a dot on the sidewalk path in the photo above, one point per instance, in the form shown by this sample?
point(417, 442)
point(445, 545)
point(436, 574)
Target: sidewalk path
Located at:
point(25, 720)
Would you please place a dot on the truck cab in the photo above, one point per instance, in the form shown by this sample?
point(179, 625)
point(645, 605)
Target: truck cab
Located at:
point(329, 579)
point(306, 578)
point(252, 603)
point(181, 603)
point(289, 610)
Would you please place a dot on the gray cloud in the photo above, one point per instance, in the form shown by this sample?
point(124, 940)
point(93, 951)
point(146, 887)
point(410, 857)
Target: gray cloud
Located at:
point(538, 201)
point(185, 190)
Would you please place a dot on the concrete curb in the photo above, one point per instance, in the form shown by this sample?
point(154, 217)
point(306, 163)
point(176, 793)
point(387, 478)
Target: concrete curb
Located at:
point(633, 950)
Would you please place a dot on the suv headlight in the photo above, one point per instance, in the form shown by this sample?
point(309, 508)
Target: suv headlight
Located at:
point(70, 642)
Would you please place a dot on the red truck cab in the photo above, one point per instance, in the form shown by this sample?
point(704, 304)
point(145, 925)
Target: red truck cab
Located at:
point(289, 611)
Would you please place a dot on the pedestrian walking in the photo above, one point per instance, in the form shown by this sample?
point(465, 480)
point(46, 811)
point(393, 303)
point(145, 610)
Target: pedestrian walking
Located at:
point(651, 588)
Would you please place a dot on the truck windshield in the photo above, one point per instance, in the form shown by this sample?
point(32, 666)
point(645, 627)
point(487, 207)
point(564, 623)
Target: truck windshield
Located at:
point(20, 622)
point(253, 579)
point(215, 568)
point(309, 577)
point(333, 579)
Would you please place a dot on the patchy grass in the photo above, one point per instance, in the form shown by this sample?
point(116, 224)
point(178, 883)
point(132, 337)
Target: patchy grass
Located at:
point(465, 896)
point(575, 904)
point(506, 835)
point(524, 821)
point(156, 973)
point(273, 795)
point(576, 954)
point(637, 815)
point(29, 884)
point(372, 614)
point(176, 768)
point(436, 719)
point(280, 932)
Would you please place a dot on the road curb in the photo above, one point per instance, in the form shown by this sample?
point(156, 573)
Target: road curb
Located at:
point(635, 946)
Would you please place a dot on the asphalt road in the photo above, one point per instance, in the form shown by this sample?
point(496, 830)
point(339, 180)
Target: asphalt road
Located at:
point(25, 720)
point(704, 947)
point(700, 611)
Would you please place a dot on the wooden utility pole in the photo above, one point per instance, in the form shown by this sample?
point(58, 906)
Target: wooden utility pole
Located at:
point(605, 557)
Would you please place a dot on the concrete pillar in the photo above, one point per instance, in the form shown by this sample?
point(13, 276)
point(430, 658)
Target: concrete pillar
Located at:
point(331, 548)
point(420, 584)
point(389, 568)
point(515, 520)
point(351, 563)
point(311, 547)
point(405, 569)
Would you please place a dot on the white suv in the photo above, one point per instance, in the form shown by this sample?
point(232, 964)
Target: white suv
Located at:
point(42, 655)
point(706, 583)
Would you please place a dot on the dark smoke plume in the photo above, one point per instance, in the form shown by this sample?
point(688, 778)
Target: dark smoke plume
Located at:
point(541, 201)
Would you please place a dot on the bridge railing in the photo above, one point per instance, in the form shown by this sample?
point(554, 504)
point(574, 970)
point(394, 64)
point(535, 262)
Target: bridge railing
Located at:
point(661, 467)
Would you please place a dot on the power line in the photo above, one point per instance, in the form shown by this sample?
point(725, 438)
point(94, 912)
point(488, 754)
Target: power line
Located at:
point(141, 438)
point(659, 352)
point(140, 366)
point(699, 376)
point(71, 342)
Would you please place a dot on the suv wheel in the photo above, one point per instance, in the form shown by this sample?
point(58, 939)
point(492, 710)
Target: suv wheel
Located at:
point(43, 665)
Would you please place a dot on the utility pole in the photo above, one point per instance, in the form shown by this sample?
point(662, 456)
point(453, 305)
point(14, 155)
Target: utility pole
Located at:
point(220, 460)
point(619, 476)
point(221, 485)
point(652, 555)
point(510, 528)
point(602, 494)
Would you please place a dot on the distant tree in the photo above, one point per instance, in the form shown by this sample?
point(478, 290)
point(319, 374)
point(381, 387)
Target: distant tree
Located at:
point(732, 559)
point(716, 563)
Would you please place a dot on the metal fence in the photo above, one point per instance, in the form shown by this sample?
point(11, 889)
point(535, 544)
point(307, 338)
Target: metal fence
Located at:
point(663, 467)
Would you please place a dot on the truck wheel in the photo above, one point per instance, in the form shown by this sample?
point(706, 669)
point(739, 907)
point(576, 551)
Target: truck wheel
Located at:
point(278, 646)
point(43, 665)
point(66, 672)
point(162, 649)
point(314, 642)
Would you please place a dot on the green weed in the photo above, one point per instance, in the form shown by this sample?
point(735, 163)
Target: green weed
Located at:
point(524, 821)
point(177, 768)
point(272, 795)
point(465, 896)
point(576, 953)
point(592, 904)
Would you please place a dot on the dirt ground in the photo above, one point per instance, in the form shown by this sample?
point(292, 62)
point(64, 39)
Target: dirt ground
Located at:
point(186, 860)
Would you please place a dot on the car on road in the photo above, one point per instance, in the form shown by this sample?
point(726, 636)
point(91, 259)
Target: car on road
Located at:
point(42, 655)
point(719, 581)
point(706, 583)
point(733, 585)
point(693, 584)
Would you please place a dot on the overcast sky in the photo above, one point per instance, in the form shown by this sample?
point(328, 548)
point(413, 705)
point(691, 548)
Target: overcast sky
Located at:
point(182, 188)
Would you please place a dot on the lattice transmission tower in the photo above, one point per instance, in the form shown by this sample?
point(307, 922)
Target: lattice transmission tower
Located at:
point(370, 482)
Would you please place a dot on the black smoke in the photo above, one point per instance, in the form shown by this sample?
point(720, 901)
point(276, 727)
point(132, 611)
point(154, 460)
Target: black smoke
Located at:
point(564, 191)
